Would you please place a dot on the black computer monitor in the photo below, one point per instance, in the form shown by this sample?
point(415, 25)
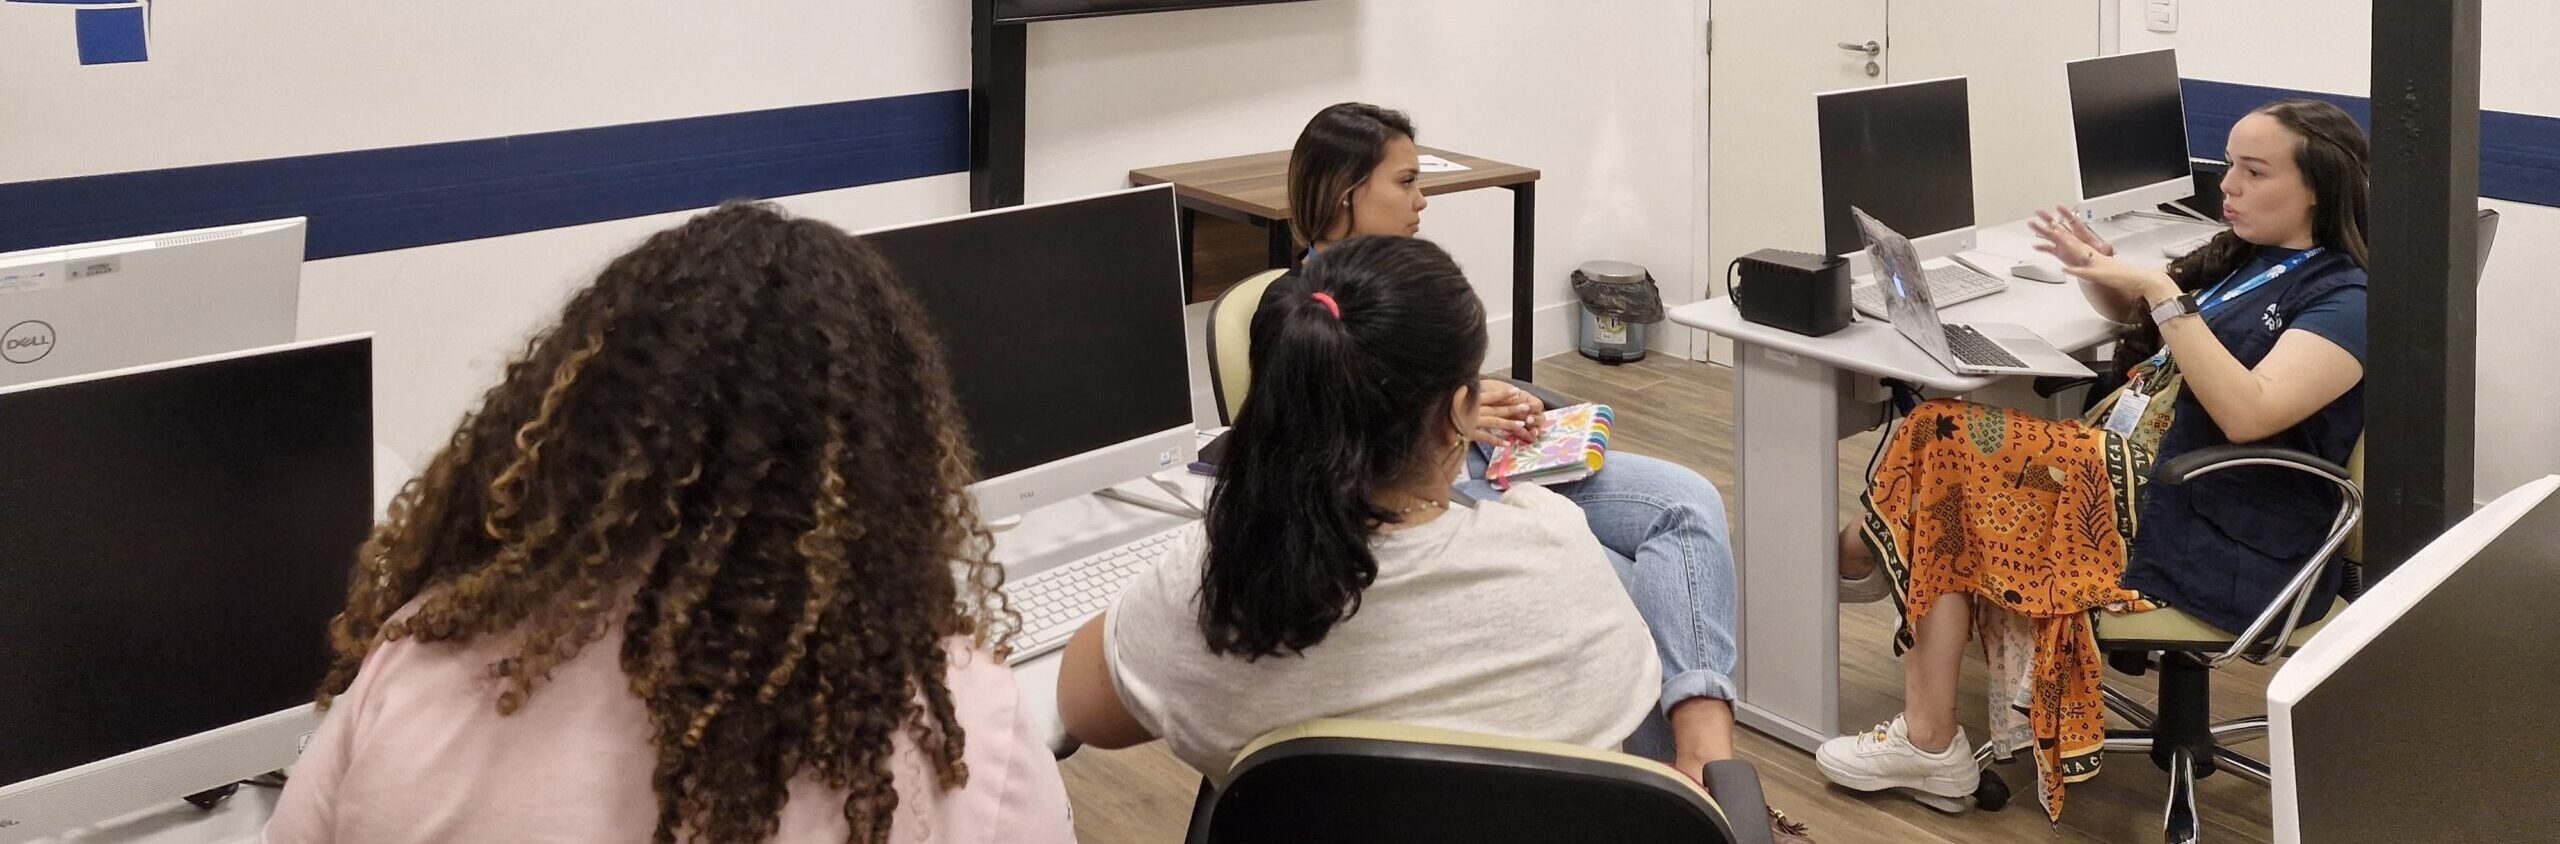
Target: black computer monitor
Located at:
point(2131, 124)
point(1063, 327)
point(173, 542)
point(1904, 154)
point(1026, 11)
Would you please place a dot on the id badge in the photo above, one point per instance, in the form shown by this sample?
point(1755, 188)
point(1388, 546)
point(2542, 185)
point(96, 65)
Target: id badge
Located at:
point(2128, 413)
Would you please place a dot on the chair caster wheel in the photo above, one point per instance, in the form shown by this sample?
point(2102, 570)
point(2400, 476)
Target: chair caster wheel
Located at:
point(1992, 794)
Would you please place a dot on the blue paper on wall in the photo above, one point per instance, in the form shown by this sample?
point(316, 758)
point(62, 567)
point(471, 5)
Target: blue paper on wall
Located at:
point(112, 36)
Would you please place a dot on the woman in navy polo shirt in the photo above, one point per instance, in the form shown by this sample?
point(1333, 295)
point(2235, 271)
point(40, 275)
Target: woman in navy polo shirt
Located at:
point(2261, 338)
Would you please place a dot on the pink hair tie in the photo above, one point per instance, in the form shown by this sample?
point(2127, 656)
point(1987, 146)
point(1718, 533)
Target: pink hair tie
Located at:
point(1330, 306)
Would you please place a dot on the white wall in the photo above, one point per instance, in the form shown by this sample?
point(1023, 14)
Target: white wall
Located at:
point(242, 81)
point(2518, 437)
point(1595, 95)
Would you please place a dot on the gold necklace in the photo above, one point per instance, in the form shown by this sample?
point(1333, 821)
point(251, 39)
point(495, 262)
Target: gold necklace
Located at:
point(1426, 504)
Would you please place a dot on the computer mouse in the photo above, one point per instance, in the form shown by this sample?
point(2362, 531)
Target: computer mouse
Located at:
point(2047, 272)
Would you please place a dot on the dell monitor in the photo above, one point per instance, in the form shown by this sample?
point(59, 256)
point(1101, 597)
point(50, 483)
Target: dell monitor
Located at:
point(92, 307)
point(1062, 326)
point(173, 542)
point(1904, 154)
point(2131, 124)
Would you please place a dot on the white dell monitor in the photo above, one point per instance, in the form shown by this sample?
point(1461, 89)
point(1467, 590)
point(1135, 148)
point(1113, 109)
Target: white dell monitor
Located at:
point(1062, 325)
point(2129, 119)
point(92, 307)
point(174, 539)
point(2422, 712)
point(1903, 153)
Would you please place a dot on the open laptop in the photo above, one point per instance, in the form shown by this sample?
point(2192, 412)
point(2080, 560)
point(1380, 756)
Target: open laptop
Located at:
point(1977, 349)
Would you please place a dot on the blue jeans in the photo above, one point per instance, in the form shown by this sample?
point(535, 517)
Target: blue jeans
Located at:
point(1665, 531)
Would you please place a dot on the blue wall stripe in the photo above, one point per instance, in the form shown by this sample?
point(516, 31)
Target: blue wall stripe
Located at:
point(2519, 153)
point(384, 199)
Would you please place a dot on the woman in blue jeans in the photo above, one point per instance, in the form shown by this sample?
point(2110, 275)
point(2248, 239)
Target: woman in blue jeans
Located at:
point(1355, 171)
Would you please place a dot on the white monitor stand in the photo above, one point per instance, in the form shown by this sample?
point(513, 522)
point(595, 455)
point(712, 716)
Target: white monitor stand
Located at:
point(2111, 215)
point(1938, 250)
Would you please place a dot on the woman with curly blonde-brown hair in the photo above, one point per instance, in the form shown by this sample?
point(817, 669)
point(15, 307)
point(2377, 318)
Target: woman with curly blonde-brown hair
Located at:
point(700, 568)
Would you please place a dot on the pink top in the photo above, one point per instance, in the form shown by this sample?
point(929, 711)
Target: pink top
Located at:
point(416, 751)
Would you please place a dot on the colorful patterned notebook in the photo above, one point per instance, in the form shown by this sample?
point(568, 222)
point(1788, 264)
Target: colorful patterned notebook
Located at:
point(1574, 444)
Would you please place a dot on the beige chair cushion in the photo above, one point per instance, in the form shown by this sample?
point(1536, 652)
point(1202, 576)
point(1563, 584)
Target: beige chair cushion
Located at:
point(2169, 626)
point(1231, 332)
point(1346, 728)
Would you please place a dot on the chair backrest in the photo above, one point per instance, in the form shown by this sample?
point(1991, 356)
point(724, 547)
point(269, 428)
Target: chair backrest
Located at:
point(2488, 235)
point(1364, 781)
point(1230, 342)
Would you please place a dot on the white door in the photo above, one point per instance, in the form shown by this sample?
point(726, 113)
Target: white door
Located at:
point(1767, 60)
point(1770, 57)
point(2012, 55)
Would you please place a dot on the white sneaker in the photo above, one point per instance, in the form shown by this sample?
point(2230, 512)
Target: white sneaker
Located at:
point(1885, 758)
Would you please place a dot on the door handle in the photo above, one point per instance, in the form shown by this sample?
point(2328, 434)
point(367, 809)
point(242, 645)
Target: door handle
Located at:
point(1871, 48)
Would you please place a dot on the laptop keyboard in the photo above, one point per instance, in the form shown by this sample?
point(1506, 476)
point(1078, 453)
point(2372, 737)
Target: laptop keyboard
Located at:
point(1949, 285)
point(1969, 346)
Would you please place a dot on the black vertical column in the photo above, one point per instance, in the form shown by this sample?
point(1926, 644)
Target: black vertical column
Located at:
point(2424, 298)
point(998, 78)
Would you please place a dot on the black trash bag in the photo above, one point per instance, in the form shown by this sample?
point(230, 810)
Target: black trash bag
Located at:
point(1638, 301)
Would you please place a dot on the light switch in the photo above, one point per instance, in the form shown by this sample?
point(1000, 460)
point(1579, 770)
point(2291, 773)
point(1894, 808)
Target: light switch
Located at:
point(2160, 15)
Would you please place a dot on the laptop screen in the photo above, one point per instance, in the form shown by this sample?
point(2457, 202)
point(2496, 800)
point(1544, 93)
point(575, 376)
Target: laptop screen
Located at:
point(1904, 284)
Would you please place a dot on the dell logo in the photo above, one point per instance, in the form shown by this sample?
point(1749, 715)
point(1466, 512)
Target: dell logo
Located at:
point(26, 342)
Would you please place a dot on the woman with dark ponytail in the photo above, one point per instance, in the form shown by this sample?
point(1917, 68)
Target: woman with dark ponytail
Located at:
point(1355, 172)
point(2260, 338)
point(1337, 577)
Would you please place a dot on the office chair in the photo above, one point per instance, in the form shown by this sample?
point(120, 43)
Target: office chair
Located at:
point(1356, 782)
point(1229, 336)
point(1229, 341)
point(2181, 736)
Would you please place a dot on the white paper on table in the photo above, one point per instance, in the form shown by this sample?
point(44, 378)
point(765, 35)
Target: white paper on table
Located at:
point(1436, 164)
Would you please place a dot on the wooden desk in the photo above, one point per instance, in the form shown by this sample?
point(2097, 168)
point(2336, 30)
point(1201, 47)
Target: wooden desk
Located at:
point(1253, 189)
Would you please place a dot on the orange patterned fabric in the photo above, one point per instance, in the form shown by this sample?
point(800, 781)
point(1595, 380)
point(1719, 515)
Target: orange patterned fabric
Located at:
point(2033, 516)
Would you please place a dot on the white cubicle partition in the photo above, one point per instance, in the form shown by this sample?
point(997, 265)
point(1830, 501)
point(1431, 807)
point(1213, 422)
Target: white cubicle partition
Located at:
point(2421, 711)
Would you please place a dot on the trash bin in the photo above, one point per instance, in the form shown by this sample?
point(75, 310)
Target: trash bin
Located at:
point(1619, 300)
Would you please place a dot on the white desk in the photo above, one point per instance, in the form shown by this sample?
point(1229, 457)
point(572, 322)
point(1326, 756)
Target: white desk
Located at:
point(1791, 391)
point(1065, 531)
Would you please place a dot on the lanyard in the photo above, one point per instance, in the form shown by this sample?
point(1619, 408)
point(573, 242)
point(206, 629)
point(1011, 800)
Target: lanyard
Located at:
point(2207, 302)
point(2215, 296)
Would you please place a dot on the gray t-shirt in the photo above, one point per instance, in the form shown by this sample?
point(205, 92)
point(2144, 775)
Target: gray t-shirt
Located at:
point(1502, 618)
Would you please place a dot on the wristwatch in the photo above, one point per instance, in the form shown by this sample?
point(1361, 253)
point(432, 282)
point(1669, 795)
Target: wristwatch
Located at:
point(2183, 304)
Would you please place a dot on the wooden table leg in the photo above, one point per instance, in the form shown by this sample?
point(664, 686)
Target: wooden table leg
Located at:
point(1283, 246)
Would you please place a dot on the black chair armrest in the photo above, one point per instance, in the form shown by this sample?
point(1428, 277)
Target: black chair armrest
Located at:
point(1550, 398)
point(1736, 786)
point(2048, 386)
point(2185, 467)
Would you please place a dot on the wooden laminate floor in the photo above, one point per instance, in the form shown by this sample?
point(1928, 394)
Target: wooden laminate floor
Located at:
point(1683, 411)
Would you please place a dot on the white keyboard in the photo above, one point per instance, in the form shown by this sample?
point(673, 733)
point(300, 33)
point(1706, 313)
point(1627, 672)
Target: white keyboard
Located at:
point(1950, 285)
point(1054, 603)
